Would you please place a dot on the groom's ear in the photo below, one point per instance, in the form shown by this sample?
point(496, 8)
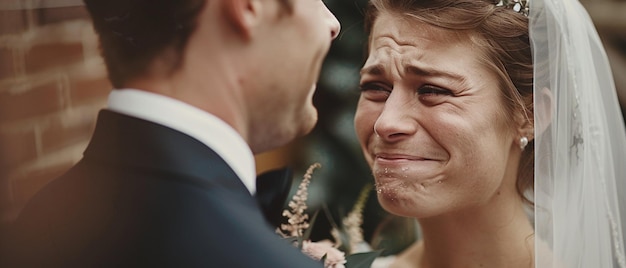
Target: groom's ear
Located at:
point(243, 15)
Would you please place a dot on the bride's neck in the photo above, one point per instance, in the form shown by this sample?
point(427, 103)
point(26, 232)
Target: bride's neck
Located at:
point(494, 237)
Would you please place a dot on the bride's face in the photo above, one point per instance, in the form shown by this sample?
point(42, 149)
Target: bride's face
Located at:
point(431, 122)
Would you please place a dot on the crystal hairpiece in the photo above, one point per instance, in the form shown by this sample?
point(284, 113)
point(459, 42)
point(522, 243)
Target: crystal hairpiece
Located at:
point(519, 6)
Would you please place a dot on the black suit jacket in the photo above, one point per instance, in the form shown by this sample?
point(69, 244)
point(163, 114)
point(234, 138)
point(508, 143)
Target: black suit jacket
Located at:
point(145, 195)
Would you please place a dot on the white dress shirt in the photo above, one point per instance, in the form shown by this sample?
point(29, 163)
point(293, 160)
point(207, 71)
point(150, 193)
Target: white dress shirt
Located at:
point(199, 124)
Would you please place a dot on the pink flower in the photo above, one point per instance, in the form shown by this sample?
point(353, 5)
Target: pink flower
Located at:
point(316, 250)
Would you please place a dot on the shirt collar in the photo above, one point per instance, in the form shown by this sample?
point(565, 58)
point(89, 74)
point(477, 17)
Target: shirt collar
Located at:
point(199, 124)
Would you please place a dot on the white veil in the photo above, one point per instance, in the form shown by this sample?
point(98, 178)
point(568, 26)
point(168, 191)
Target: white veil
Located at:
point(580, 143)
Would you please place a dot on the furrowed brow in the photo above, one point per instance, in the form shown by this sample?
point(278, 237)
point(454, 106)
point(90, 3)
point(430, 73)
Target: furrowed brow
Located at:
point(377, 69)
point(419, 71)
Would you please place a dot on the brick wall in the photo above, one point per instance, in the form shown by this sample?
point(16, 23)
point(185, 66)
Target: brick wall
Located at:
point(52, 83)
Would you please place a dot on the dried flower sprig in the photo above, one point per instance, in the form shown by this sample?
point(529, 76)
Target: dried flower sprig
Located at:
point(298, 225)
point(351, 231)
point(297, 218)
point(333, 257)
point(298, 222)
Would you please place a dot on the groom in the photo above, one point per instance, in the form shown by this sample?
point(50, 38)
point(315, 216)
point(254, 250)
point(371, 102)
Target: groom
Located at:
point(168, 178)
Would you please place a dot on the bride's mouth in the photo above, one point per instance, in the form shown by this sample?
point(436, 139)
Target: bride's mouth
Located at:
point(392, 167)
point(399, 158)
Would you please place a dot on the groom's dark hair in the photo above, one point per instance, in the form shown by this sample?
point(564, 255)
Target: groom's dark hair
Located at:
point(133, 33)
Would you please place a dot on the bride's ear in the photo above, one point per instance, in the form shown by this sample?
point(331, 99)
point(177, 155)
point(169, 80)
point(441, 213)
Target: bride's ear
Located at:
point(534, 124)
point(544, 102)
point(525, 125)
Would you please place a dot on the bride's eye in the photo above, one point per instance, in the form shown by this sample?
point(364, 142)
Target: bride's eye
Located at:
point(433, 95)
point(375, 91)
point(430, 90)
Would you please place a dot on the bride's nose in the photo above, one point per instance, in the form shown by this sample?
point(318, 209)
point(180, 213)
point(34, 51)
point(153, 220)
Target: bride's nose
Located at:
point(396, 122)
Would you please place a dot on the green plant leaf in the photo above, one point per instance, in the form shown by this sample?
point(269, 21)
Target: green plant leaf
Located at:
point(291, 239)
point(308, 231)
point(362, 260)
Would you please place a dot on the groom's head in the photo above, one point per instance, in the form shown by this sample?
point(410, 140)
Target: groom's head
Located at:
point(253, 63)
point(134, 33)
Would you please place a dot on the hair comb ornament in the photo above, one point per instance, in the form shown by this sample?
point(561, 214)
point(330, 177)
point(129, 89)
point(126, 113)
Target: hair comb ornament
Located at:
point(519, 6)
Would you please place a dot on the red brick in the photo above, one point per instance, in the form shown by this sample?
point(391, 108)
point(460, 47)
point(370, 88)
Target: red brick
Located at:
point(16, 148)
point(49, 56)
point(60, 14)
point(39, 101)
point(5, 198)
point(6, 63)
point(83, 91)
point(12, 21)
point(57, 136)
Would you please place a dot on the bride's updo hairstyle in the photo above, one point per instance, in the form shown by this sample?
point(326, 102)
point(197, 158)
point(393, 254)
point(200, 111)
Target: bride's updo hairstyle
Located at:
point(501, 34)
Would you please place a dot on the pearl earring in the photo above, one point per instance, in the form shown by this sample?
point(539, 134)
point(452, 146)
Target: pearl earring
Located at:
point(523, 141)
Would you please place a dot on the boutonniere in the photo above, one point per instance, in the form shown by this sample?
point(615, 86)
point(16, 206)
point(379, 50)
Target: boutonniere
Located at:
point(348, 237)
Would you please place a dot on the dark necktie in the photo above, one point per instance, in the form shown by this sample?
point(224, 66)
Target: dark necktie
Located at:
point(272, 189)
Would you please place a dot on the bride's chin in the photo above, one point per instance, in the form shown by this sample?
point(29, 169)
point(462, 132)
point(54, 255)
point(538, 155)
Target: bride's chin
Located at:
point(389, 190)
point(403, 199)
point(395, 200)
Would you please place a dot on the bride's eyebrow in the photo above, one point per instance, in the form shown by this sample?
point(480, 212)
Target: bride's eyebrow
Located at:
point(376, 69)
point(429, 72)
point(379, 69)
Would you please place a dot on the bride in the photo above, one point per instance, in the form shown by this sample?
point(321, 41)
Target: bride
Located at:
point(468, 107)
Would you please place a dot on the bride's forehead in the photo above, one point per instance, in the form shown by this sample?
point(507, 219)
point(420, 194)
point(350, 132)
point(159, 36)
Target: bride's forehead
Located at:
point(406, 30)
point(422, 46)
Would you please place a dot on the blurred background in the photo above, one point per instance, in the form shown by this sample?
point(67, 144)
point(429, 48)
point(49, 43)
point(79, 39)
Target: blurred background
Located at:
point(53, 82)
